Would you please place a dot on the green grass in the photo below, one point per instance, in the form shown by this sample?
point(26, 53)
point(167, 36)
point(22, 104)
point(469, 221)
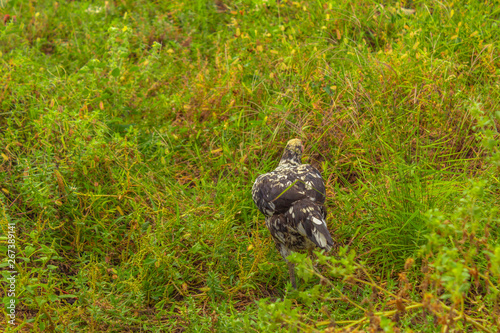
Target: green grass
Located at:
point(131, 133)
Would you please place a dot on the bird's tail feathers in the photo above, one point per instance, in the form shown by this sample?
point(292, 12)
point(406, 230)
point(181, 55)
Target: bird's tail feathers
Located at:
point(319, 233)
point(309, 219)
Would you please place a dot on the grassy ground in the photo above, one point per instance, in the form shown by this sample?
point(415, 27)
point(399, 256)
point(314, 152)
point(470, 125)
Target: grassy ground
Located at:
point(131, 133)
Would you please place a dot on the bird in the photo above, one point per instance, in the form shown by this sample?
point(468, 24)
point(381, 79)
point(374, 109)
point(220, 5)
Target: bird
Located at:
point(292, 198)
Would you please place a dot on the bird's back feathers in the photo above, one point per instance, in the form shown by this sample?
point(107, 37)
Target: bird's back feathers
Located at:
point(276, 191)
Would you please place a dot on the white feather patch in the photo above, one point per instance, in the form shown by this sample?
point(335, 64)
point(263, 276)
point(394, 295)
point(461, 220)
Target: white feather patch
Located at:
point(316, 221)
point(301, 230)
point(320, 238)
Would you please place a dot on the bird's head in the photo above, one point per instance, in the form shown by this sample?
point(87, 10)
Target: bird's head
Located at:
point(293, 152)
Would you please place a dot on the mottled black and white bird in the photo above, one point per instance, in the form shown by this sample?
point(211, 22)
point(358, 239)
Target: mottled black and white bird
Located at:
point(292, 197)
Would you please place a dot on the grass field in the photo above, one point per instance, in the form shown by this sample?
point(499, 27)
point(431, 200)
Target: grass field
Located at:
point(131, 133)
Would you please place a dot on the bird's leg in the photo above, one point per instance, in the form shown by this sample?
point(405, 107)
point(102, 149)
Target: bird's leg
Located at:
point(291, 272)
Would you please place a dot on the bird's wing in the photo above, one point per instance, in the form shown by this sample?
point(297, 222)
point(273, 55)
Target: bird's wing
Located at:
point(308, 218)
point(261, 191)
